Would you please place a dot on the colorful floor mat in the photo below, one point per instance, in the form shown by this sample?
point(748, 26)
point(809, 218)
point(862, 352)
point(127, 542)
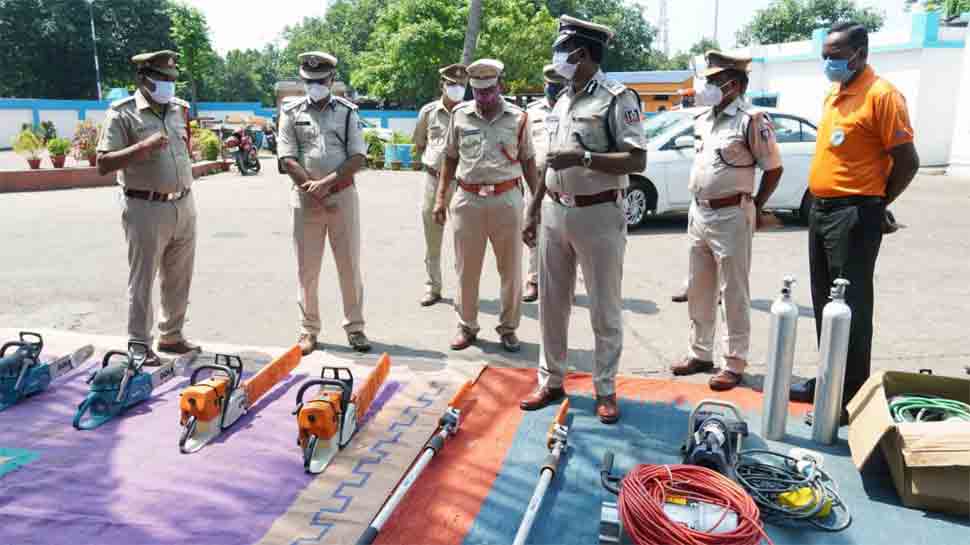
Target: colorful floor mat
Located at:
point(477, 489)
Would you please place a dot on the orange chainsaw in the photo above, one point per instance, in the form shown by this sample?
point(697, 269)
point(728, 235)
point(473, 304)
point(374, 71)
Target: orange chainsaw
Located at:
point(212, 405)
point(329, 421)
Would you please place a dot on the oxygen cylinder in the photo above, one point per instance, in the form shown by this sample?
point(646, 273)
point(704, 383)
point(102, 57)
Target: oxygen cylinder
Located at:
point(833, 349)
point(781, 359)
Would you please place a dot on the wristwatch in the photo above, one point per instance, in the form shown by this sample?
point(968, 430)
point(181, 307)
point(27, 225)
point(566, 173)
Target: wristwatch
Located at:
point(587, 159)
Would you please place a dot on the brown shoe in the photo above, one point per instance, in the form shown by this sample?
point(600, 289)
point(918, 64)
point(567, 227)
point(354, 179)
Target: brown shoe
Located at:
point(463, 340)
point(607, 409)
point(358, 341)
point(430, 299)
point(542, 397)
point(531, 293)
point(510, 342)
point(725, 380)
point(691, 366)
point(181, 347)
point(307, 343)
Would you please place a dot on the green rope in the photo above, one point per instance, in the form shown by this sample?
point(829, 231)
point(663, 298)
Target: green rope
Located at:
point(919, 408)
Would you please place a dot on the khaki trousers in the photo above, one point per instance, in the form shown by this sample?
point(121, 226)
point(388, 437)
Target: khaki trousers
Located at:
point(433, 234)
point(161, 240)
point(338, 221)
point(720, 263)
point(594, 237)
point(477, 221)
point(533, 275)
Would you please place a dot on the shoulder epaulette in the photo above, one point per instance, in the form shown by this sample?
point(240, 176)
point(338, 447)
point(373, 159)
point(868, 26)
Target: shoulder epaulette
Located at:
point(345, 102)
point(121, 102)
point(290, 106)
point(183, 103)
point(614, 87)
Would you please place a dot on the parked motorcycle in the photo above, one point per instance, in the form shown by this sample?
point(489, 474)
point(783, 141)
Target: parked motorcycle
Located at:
point(242, 148)
point(270, 139)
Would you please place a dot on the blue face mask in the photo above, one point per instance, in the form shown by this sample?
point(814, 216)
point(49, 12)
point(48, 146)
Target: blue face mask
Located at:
point(552, 90)
point(837, 70)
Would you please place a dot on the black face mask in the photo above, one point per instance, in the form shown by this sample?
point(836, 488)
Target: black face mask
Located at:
point(552, 90)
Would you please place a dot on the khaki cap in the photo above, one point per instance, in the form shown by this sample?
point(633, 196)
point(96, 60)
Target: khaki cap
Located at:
point(455, 73)
point(160, 61)
point(550, 75)
point(316, 65)
point(570, 27)
point(718, 61)
point(484, 73)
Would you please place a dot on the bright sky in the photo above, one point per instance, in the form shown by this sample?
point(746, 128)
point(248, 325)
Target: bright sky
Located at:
point(234, 27)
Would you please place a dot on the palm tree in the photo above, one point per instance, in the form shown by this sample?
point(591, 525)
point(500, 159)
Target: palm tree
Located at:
point(471, 33)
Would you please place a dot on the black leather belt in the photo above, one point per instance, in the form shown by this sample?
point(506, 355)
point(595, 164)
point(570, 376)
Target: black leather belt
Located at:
point(580, 201)
point(827, 203)
point(154, 196)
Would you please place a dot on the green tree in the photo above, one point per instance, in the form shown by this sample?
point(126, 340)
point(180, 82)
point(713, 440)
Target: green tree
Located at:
point(190, 32)
point(47, 49)
point(793, 20)
point(949, 8)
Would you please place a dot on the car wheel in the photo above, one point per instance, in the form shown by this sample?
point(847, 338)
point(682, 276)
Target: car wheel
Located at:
point(806, 208)
point(640, 200)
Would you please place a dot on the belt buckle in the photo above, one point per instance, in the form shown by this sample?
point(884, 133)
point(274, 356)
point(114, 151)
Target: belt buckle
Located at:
point(486, 190)
point(567, 199)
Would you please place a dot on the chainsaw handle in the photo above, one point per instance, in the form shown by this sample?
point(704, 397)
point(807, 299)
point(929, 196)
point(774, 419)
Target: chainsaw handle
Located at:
point(321, 382)
point(232, 361)
point(336, 372)
point(137, 352)
point(12, 344)
point(111, 354)
point(213, 367)
point(39, 342)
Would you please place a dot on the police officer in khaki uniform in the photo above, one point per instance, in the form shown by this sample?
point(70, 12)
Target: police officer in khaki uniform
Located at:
point(597, 141)
point(146, 139)
point(538, 112)
point(322, 147)
point(489, 149)
point(732, 139)
point(429, 139)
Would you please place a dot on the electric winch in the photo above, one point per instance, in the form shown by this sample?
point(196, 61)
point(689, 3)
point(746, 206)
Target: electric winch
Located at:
point(714, 437)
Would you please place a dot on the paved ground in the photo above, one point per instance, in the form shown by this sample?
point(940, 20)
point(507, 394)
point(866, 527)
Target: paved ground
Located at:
point(64, 267)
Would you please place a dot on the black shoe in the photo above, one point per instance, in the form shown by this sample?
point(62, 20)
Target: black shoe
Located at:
point(358, 341)
point(803, 391)
point(430, 299)
point(511, 343)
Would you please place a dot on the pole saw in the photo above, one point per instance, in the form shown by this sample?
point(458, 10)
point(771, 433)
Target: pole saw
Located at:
point(22, 374)
point(329, 421)
point(212, 405)
point(116, 387)
point(448, 425)
point(556, 442)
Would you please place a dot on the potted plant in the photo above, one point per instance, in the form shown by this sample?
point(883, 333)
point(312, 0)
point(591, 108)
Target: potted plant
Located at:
point(28, 144)
point(399, 150)
point(375, 148)
point(58, 148)
point(85, 142)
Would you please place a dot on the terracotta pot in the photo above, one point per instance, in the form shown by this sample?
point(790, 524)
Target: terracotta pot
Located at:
point(93, 160)
point(58, 161)
point(395, 165)
point(415, 165)
point(34, 163)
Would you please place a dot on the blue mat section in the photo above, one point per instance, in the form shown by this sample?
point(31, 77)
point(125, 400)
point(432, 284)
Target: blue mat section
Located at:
point(653, 433)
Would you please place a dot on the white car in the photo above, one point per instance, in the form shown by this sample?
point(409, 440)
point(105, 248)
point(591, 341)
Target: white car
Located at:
point(661, 189)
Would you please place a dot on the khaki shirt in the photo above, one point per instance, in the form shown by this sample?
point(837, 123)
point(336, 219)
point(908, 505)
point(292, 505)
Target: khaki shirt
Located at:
point(538, 114)
point(131, 120)
point(585, 114)
point(726, 140)
point(315, 137)
point(431, 133)
point(489, 152)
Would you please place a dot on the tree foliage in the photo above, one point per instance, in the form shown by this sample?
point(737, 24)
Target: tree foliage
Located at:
point(47, 48)
point(190, 32)
point(793, 20)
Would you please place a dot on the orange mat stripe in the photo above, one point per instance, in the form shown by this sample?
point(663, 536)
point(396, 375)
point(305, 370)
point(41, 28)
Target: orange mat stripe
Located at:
point(442, 506)
point(268, 376)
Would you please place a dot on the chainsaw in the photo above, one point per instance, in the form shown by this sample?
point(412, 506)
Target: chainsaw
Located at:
point(22, 374)
point(122, 382)
point(329, 421)
point(212, 405)
point(714, 437)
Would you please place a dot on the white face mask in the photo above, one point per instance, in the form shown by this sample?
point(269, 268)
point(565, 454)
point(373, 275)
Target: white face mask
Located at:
point(710, 95)
point(317, 91)
point(561, 64)
point(164, 91)
point(455, 93)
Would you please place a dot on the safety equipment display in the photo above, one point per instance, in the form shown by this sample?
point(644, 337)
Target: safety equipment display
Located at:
point(22, 374)
point(781, 360)
point(833, 350)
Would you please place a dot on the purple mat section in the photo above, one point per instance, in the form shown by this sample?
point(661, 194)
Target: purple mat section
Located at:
point(127, 483)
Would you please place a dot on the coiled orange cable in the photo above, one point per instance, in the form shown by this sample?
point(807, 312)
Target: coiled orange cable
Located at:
point(645, 490)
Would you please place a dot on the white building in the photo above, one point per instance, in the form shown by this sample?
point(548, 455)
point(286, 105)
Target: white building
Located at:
point(925, 62)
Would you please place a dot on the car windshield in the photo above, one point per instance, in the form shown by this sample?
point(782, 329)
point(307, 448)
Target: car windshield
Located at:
point(659, 123)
